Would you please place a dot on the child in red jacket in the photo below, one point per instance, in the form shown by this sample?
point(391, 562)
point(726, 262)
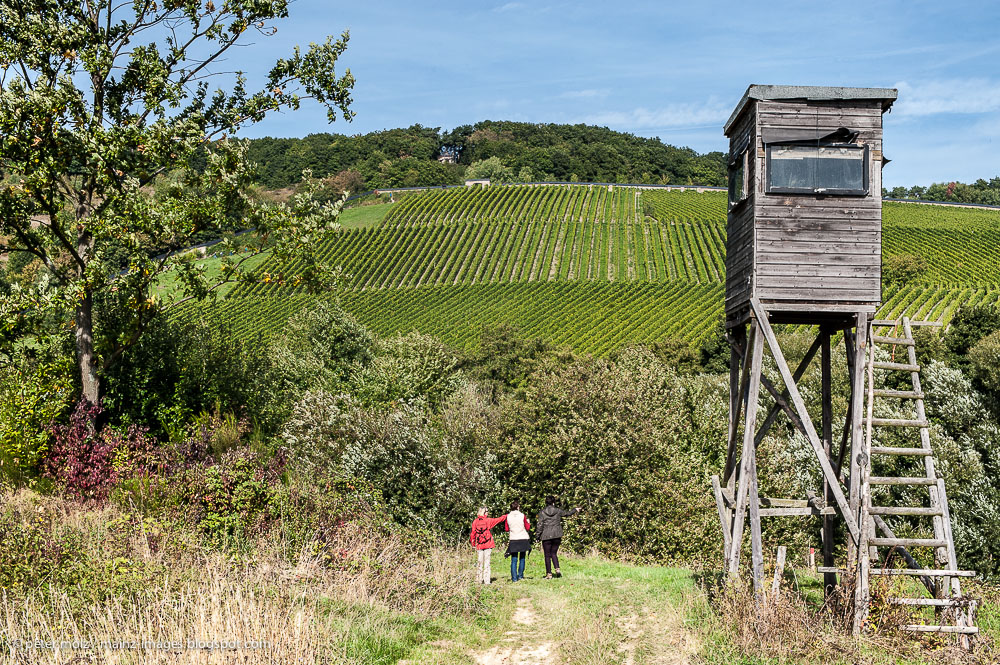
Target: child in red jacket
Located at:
point(482, 539)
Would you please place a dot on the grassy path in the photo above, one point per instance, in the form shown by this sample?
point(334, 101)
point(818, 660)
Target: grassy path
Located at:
point(598, 612)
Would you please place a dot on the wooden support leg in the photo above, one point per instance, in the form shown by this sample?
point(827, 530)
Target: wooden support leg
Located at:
point(737, 399)
point(747, 466)
point(829, 579)
point(800, 408)
point(857, 434)
point(861, 590)
point(724, 518)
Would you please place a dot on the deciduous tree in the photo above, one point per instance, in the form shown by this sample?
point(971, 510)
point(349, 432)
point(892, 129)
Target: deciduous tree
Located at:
point(99, 99)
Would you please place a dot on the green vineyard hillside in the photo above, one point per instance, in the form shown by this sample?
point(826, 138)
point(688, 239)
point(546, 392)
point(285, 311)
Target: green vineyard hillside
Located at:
point(593, 267)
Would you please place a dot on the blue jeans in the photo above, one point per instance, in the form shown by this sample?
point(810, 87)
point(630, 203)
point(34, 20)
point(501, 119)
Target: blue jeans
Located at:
point(517, 566)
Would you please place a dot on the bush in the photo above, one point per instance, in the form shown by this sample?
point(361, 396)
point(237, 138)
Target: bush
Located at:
point(901, 269)
point(984, 357)
point(87, 462)
point(32, 395)
point(408, 367)
point(179, 370)
point(320, 348)
point(621, 440)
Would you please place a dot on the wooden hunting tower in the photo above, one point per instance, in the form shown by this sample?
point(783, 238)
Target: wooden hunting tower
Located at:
point(804, 247)
point(805, 199)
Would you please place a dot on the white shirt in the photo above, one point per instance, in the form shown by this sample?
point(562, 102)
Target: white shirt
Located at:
point(515, 522)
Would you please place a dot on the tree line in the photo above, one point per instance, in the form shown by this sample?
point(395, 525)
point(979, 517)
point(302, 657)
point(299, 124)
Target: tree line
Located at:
point(983, 192)
point(501, 149)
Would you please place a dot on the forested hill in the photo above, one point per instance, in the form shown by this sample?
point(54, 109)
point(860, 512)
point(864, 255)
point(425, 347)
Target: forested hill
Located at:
point(504, 150)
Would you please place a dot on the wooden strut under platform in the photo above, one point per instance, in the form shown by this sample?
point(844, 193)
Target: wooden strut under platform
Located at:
point(846, 467)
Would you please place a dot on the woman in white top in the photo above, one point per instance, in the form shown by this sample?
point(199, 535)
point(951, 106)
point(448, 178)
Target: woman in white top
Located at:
point(520, 542)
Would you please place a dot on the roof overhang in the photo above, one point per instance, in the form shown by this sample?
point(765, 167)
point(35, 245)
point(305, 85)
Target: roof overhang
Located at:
point(815, 93)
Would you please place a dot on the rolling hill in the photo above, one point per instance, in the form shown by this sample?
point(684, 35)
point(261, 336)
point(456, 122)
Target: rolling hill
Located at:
point(594, 267)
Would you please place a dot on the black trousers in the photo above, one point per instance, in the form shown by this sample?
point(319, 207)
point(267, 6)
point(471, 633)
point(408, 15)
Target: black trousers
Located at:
point(550, 547)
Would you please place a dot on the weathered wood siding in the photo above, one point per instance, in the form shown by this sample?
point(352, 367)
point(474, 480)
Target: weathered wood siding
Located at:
point(739, 223)
point(809, 249)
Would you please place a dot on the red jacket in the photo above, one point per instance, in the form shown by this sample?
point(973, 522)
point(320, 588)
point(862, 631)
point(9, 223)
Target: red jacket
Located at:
point(481, 536)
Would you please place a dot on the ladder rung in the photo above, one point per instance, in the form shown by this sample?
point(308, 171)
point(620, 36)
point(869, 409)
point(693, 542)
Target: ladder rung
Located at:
point(902, 394)
point(929, 602)
point(920, 628)
point(898, 422)
point(902, 367)
point(890, 450)
point(921, 572)
point(903, 510)
point(890, 480)
point(900, 341)
point(928, 572)
point(907, 542)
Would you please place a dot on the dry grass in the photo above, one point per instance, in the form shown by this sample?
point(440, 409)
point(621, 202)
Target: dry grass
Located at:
point(360, 596)
point(784, 628)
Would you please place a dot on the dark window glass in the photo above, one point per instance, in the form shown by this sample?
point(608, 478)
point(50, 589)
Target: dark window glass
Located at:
point(817, 169)
point(737, 174)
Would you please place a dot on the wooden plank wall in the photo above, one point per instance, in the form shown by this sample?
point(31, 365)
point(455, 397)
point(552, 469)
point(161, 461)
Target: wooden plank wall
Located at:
point(739, 224)
point(811, 249)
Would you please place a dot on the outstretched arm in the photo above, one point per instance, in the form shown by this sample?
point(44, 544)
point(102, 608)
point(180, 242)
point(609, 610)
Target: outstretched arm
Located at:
point(570, 513)
point(498, 520)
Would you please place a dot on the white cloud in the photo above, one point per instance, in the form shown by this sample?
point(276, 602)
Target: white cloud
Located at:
point(974, 95)
point(510, 6)
point(585, 94)
point(670, 116)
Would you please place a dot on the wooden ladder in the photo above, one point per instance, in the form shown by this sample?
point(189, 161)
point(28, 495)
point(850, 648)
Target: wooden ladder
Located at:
point(954, 613)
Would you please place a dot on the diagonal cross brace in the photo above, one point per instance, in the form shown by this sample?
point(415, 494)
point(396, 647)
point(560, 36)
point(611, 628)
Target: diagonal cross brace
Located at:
point(800, 408)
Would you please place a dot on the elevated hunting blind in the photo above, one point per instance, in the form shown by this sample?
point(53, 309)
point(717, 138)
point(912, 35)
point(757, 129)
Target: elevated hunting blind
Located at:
point(804, 247)
point(805, 199)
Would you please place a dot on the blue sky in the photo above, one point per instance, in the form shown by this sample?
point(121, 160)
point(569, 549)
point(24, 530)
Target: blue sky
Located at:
point(672, 70)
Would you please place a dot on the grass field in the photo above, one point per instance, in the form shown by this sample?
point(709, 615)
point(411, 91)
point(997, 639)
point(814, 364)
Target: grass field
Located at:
point(593, 267)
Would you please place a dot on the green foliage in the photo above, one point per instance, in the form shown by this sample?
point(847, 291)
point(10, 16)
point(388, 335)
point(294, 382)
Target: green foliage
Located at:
point(408, 367)
point(408, 157)
point(984, 357)
point(427, 479)
point(981, 192)
point(183, 368)
point(93, 112)
point(320, 346)
point(902, 269)
point(492, 169)
point(33, 393)
point(970, 324)
point(621, 440)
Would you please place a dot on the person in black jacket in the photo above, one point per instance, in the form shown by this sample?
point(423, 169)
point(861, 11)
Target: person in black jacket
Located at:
point(550, 531)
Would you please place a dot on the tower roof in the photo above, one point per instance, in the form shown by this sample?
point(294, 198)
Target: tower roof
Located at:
point(811, 93)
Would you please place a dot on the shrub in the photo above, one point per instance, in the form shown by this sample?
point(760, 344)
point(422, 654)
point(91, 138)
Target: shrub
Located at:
point(320, 347)
point(985, 359)
point(32, 395)
point(87, 462)
point(407, 367)
point(901, 269)
point(621, 440)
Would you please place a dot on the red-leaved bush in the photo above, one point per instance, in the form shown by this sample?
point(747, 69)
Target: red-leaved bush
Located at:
point(87, 462)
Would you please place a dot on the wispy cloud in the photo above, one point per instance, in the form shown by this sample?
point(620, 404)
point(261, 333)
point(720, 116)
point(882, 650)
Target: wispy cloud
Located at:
point(973, 95)
point(591, 93)
point(510, 6)
point(670, 116)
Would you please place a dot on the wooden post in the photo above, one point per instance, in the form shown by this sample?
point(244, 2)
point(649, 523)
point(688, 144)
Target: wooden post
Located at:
point(747, 466)
point(857, 434)
point(779, 571)
point(861, 589)
point(829, 578)
point(724, 518)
